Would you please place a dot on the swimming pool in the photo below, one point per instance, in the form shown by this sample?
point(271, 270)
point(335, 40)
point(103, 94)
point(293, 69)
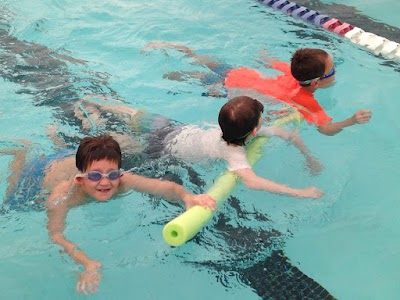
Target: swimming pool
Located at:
point(344, 243)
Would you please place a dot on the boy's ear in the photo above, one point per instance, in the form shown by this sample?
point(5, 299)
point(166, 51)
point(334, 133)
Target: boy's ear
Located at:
point(78, 179)
point(315, 83)
point(254, 131)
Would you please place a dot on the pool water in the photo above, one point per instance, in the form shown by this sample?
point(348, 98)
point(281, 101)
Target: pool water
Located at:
point(344, 244)
point(375, 9)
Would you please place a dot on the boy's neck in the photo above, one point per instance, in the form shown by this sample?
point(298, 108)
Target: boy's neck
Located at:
point(309, 88)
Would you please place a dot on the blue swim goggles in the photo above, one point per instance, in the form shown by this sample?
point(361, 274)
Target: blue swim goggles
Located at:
point(330, 74)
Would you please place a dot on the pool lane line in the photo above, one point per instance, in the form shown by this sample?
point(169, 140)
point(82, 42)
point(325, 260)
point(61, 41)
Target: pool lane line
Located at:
point(375, 44)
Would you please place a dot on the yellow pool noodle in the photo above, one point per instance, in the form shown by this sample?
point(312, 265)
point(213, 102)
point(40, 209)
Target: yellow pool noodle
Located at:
point(188, 224)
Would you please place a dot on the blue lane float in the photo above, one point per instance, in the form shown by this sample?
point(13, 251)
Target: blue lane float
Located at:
point(367, 40)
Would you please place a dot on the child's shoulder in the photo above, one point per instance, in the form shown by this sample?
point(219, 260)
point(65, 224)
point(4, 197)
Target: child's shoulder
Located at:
point(65, 193)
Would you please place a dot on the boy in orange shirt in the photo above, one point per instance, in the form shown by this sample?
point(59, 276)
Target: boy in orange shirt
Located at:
point(310, 70)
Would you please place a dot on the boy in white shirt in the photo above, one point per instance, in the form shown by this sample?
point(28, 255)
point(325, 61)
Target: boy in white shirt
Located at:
point(240, 120)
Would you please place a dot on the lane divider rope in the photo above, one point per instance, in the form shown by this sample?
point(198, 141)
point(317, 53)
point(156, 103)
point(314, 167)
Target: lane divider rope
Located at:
point(376, 44)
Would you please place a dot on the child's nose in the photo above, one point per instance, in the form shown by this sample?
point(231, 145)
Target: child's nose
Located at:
point(104, 180)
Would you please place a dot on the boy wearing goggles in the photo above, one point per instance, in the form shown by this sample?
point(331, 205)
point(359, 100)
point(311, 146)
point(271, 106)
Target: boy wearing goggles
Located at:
point(310, 70)
point(314, 69)
point(99, 177)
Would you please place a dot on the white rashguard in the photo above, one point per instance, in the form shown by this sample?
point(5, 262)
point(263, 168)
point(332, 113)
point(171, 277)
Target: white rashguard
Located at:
point(197, 144)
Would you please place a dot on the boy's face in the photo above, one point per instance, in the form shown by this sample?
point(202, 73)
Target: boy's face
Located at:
point(105, 188)
point(260, 122)
point(329, 69)
point(254, 131)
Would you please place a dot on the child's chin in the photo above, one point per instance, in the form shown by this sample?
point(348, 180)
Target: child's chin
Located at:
point(104, 197)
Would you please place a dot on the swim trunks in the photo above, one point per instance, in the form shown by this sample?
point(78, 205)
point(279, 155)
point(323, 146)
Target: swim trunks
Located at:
point(218, 74)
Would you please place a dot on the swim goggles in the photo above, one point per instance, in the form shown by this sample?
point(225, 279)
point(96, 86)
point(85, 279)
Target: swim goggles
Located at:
point(330, 74)
point(96, 176)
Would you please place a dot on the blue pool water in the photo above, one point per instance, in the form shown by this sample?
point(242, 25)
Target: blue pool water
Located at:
point(345, 243)
point(377, 10)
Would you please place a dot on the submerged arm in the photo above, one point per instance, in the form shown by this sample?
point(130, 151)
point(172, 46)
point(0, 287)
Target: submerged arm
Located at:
point(292, 136)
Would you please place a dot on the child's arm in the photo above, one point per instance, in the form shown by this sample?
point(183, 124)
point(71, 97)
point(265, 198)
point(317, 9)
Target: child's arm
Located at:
point(169, 190)
point(360, 117)
point(199, 59)
point(312, 162)
point(57, 209)
point(179, 47)
point(251, 180)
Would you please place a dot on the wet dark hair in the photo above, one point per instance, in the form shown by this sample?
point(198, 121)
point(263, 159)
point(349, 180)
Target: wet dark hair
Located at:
point(308, 63)
point(97, 148)
point(238, 117)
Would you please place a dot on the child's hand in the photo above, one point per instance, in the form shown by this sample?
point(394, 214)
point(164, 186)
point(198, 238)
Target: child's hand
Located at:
point(362, 116)
point(311, 192)
point(203, 200)
point(313, 165)
point(89, 280)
